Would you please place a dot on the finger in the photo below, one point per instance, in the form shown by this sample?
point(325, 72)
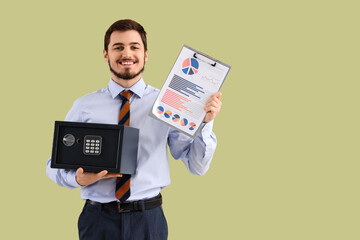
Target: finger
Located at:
point(217, 95)
point(214, 99)
point(213, 104)
point(212, 110)
point(214, 95)
point(102, 174)
point(79, 171)
point(111, 175)
point(212, 107)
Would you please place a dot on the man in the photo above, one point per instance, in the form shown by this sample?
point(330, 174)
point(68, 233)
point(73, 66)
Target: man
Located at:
point(138, 215)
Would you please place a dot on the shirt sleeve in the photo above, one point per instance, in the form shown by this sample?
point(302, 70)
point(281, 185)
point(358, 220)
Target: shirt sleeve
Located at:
point(62, 177)
point(196, 153)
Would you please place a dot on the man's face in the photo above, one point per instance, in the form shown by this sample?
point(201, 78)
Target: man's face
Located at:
point(126, 55)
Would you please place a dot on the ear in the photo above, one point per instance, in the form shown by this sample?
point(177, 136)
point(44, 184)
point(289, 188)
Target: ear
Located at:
point(146, 55)
point(106, 56)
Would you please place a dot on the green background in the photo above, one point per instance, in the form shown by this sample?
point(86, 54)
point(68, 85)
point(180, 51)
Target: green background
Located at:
point(287, 162)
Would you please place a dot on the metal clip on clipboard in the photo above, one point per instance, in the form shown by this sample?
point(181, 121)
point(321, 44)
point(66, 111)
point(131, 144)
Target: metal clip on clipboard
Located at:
point(206, 56)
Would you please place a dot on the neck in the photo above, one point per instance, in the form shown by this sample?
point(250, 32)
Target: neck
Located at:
point(126, 83)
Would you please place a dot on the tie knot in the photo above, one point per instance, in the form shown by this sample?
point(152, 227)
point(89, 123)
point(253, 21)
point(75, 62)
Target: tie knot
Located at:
point(126, 94)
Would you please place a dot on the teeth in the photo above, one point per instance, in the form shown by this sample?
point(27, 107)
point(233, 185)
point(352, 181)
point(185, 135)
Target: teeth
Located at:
point(127, 63)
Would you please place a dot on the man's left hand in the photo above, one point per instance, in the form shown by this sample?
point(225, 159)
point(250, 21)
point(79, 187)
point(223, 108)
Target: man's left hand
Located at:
point(212, 107)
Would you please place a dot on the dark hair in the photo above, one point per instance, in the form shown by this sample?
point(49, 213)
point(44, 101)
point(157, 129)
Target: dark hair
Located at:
point(125, 25)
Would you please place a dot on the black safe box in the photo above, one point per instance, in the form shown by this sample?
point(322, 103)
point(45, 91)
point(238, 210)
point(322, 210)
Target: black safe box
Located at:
point(95, 147)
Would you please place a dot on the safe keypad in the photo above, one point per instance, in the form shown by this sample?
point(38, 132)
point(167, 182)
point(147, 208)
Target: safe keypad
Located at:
point(92, 145)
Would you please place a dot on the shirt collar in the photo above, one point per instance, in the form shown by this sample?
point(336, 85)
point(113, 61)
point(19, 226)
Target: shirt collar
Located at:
point(138, 88)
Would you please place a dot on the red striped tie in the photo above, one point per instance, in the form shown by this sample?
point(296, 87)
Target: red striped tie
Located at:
point(122, 191)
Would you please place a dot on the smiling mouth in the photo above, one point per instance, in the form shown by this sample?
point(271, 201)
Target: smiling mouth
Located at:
point(127, 62)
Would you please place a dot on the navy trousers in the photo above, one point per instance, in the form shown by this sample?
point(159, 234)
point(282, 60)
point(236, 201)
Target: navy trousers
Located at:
point(100, 224)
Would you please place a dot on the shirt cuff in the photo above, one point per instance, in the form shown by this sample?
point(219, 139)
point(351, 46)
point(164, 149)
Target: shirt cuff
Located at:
point(207, 137)
point(71, 179)
point(206, 130)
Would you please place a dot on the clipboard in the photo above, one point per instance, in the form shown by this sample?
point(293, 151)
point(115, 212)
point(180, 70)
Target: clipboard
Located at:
point(193, 78)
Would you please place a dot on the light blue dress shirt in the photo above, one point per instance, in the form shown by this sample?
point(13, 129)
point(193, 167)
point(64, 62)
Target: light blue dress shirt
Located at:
point(152, 174)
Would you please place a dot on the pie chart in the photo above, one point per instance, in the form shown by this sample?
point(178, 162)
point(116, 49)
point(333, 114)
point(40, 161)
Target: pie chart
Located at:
point(160, 109)
point(192, 126)
point(183, 122)
point(190, 66)
point(176, 118)
point(168, 114)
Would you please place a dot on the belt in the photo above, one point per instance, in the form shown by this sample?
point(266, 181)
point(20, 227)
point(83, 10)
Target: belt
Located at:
point(129, 206)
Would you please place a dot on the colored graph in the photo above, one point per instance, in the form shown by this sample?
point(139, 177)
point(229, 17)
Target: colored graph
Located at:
point(168, 114)
point(185, 87)
point(190, 66)
point(211, 79)
point(175, 100)
point(176, 118)
point(192, 126)
point(160, 110)
point(184, 122)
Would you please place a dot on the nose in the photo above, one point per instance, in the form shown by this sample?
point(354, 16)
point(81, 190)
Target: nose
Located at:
point(126, 53)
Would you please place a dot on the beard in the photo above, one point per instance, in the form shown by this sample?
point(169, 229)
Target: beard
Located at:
point(127, 75)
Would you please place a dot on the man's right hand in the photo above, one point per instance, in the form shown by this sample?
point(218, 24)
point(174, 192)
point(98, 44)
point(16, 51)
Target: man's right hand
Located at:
point(87, 178)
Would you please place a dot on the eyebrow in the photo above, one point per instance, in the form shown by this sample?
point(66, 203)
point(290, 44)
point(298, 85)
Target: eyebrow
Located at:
point(121, 44)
